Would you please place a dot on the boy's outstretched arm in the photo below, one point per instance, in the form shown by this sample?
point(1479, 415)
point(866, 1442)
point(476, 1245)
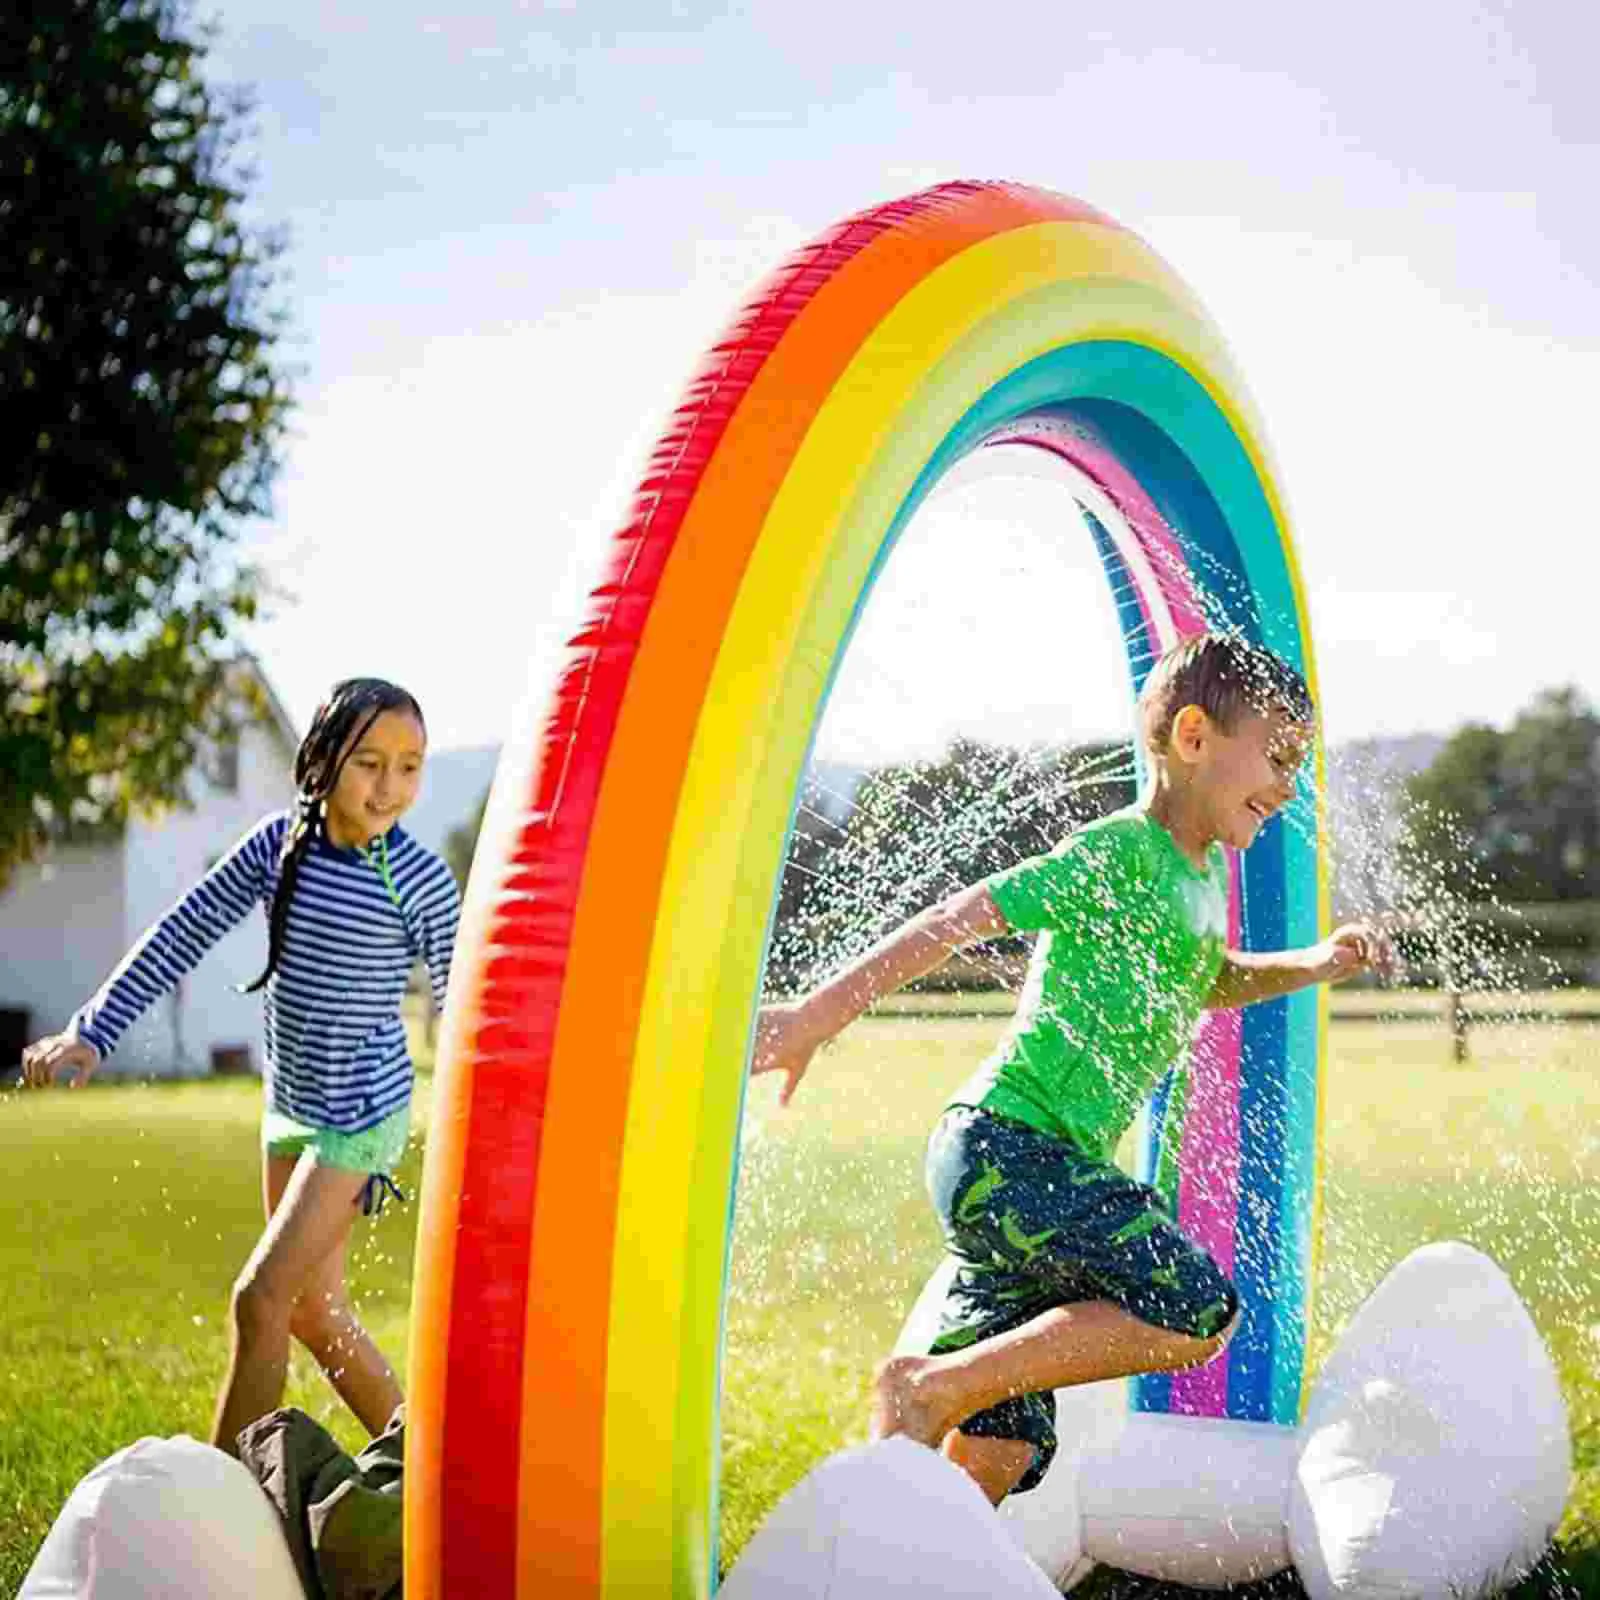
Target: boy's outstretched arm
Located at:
point(1248, 976)
point(788, 1034)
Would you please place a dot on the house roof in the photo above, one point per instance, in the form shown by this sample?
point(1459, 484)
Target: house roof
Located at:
point(279, 719)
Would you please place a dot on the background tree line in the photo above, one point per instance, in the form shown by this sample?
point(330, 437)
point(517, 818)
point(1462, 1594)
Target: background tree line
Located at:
point(1515, 815)
point(912, 833)
point(1497, 820)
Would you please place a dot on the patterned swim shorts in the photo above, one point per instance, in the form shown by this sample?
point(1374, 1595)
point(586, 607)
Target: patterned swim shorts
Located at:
point(1033, 1222)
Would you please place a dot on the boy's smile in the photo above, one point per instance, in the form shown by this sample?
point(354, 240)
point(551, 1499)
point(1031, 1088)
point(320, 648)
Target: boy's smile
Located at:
point(1248, 776)
point(1226, 786)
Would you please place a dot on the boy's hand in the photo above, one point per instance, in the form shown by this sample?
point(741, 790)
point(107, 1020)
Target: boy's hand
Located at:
point(1355, 947)
point(60, 1052)
point(785, 1042)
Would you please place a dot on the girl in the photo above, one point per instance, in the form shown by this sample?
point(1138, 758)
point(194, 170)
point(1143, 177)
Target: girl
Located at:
point(352, 901)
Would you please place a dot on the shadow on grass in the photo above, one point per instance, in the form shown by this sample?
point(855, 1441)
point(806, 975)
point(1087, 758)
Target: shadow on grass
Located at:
point(1106, 1583)
point(1569, 1572)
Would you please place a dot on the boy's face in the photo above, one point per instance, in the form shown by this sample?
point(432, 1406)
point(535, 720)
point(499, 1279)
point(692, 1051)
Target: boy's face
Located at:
point(1244, 777)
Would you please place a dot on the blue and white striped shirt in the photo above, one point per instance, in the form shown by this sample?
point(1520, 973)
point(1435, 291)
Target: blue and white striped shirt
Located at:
point(336, 1048)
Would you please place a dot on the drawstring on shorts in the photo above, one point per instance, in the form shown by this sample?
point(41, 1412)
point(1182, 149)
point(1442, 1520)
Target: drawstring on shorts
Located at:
point(378, 1187)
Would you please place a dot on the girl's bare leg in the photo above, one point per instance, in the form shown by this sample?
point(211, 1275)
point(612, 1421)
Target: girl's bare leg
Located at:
point(926, 1396)
point(326, 1324)
point(310, 1221)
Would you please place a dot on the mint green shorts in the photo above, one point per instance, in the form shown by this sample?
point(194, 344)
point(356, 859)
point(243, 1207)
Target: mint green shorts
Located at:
point(376, 1149)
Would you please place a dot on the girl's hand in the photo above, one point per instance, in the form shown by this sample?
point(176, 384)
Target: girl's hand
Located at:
point(1356, 947)
point(786, 1040)
point(61, 1052)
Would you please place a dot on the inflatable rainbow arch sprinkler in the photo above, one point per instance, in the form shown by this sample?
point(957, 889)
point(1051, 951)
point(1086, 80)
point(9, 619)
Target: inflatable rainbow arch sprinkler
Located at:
point(581, 1164)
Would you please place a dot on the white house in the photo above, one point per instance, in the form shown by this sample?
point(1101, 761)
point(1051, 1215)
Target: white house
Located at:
point(67, 920)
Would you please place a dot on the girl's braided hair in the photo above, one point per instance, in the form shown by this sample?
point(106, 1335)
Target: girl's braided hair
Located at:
point(352, 706)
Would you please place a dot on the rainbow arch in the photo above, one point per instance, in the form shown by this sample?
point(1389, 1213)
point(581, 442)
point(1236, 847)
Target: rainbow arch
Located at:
point(566, 1323)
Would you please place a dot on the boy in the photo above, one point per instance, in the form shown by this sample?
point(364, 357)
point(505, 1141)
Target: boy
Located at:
point(1069, 1271)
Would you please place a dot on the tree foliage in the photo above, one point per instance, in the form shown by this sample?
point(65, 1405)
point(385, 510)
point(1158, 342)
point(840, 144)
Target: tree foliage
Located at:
point(461, 843)
point(1515, 814)
point(143, 410)
point(916, 833)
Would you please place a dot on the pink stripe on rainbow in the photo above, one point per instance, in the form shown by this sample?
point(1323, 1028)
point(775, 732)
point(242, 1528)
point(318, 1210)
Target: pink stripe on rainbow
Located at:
point(1174, 581)
point(1208, 1189)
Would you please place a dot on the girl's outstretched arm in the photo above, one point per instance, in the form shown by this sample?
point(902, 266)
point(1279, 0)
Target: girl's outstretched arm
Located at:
point(167, 951)
point(788, 1034)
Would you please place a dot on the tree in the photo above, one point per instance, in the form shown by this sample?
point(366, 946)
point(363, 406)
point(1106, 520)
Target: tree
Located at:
point(858, 863)
point(461, 843)
point(918, 832)
point(143, 411)
point(1515, 814)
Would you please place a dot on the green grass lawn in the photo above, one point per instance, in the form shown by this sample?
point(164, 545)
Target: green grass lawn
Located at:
point(125, 1214)
point(127, 1211)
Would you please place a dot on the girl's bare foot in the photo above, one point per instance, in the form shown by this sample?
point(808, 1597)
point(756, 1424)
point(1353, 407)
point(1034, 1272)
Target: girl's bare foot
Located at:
point(904, 1400)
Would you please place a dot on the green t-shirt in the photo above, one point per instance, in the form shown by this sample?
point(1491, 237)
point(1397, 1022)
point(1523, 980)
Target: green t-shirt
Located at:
point(1131, 939)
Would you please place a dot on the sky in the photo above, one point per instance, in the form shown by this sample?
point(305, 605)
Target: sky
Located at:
point(514, 229)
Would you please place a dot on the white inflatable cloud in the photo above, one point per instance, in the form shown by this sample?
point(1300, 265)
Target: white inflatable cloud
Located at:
point(165, 1517)
point(1434, 1462)
point(886, 1521)
point(1190, 1500)
point(1436, 1459)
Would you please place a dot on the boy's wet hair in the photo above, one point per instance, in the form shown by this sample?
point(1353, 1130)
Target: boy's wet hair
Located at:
point(1227, 677)
point(340, 724)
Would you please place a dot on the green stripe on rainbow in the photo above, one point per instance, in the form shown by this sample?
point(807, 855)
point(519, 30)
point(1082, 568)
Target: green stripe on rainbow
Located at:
point(619, 1031)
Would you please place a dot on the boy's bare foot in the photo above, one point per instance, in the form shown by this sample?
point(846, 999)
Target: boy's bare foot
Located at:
point(903, 1401)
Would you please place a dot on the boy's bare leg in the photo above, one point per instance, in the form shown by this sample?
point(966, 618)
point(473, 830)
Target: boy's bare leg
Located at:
point(995, 1465)
point(926, 1396)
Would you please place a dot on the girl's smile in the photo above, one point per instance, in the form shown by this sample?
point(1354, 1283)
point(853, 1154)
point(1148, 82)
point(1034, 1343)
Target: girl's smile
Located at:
point(379, 779)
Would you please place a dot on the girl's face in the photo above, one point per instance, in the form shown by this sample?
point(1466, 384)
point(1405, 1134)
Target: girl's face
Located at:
point(379, 779)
